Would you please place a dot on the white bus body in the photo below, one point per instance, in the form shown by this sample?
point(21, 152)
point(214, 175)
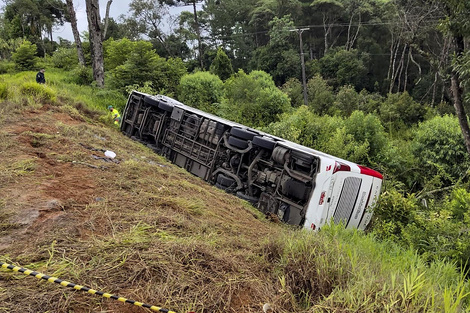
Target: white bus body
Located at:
point(300, 185)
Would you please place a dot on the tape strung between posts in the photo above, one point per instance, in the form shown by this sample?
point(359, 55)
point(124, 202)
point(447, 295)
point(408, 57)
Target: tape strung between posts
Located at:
point(82, 288)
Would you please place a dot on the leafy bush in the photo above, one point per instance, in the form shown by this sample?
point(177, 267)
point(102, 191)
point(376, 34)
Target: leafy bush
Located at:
point(440, 150)
point(6, 67)
point(39, 92)
point(253, 99)
point(293, 88)
point(25, 56)
point(392, 213)
point(82, 75)
point(65, 58)
point(320, 95)
point(399, 109)
point(201, 90)
point(347, 100)
point(221, 65)
point(343, 67)
point(117, 52)
point(144, 65)
point(3, 91)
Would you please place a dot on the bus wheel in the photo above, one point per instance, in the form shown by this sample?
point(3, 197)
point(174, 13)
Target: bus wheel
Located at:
point(252, 200)
point(263, 142)
point(150, 101)
point(225, 181)
point(242, 133)
point(165, 106)
point(238, 143)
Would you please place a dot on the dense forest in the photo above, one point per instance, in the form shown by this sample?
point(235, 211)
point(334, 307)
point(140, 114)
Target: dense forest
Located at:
point(383, 83)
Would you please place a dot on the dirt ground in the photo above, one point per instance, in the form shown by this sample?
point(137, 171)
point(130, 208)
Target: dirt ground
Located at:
point(136, 225)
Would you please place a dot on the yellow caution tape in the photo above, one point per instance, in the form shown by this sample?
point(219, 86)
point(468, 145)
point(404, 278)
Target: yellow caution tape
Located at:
point(82, 288)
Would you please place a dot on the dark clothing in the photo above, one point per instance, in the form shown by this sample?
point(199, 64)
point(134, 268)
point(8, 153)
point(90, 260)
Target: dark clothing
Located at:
point(40, 79)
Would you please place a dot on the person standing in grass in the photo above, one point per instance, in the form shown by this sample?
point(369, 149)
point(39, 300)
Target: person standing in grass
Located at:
point(40, 78)
point(116, 115)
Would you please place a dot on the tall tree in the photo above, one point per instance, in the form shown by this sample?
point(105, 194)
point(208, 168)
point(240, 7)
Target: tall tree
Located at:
point(458, 25)
point(106, 18)
point(96, 40)
point(76, 34)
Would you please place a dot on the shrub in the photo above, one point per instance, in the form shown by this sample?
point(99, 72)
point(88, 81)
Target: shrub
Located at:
point(38, 91)
point(343, 67)
point(25, 56)
point(6, 67)
point(253, 99)
point(201, 90)
point(3, 91)
point(293, 88)
point(399, 109)
point(144, 65)
point(82, 75)
point(440, 150)
point(320, 95)
point(347, 100)
point(117, 52)
point(221, 65)
point(65, 58)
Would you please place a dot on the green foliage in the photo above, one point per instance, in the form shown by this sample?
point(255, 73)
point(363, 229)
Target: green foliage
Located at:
point(300, 126)
point(460, 204)
point(82, 75)
point(6, 67)
point(117, 52)
point(146, 88)
point(39, 92)
point(253, 99)
point(25, 56)
point(347, 100)
point(343, 67)
point(399, 110)
point(201, 90)
point(439, 147)
point(293, 88)
point(221, 65)
point(392, 213)
point(144, 65)
point(65, 58)
point(320, 95)
point(3, 91)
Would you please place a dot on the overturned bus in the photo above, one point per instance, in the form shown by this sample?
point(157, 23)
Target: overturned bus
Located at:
point(300, 185)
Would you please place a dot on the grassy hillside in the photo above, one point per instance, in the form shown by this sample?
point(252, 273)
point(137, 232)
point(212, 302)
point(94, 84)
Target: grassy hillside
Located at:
point(144, 229)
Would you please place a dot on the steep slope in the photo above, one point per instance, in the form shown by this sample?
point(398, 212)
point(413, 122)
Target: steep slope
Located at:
point(138, 226)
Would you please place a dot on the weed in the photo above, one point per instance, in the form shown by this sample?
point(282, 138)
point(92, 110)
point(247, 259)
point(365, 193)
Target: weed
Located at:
point(38, 92)
point(3, 91)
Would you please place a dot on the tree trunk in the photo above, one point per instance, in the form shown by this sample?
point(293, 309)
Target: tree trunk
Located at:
point(457, 93)
point(106, 18)
point(198, 32)
point(76, 34)
point(96, 40)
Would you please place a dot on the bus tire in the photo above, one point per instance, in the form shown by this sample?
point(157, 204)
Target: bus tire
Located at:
point(220, 186)
point(165, 106)
point(225, 181)
point(242, 133)
point(263, 142)
point(251, 199)
point(151, 101)
point(237, 143)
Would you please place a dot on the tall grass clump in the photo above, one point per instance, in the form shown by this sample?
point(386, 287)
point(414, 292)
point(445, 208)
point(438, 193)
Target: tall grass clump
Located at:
point(38, 92)
point(3, 91)
point(338, 270)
